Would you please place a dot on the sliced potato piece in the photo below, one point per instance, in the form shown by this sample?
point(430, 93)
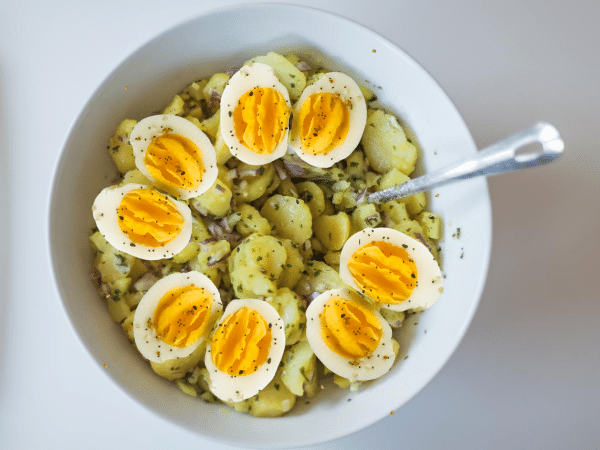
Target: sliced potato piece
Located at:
point(299, 369)
point(318, 277)
point(294, 265)
point(127, 326)
point(256, 265)
point(395, 213)
point(355, 165)
point(189, 252)
point(209, 126)
point(216, 200)
point(409, 227)
point(385, 144)
point(289, 75)
point(290, 216)
point(175, 107)
point(194, 90)
point(367, 93)
point(333, 258)
point(333, 231)
point(291, 309)
point(254, 185)
point(431, 223)
point(186, 388)
point(395, 347)
point(223, 152)
point(286, 187)
point(120, 148)
point(176, 368)
point(241, 406)
point(118, 309)
point(251, 221)
point(345, 383)
point(215, 86)
point(111, 263)
point(394, 318)
point(135, 176)
point(365, 216)
point(313, 196)
point(273, 401)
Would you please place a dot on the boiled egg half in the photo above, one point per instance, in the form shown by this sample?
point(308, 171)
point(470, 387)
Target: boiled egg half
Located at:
point(176, 314)
point(348, 336)
point(245, 349)
point(393, 269)
point(255, 111)
point(329, 120)
point(143, 222)
point(175, 155)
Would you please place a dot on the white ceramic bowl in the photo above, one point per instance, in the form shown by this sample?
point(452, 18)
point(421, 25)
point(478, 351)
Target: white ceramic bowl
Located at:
point(214, 42)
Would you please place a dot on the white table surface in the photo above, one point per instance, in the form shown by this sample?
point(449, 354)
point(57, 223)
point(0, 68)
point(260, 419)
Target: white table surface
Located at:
point(527, 374)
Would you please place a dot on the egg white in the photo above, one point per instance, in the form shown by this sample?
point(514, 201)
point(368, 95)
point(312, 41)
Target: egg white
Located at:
point(146, 340)
point(350, 93)
point(146, 129)
point(105, 211)
point(429, 278)
point(378, 364)
point(231, 388)
point(250, 77)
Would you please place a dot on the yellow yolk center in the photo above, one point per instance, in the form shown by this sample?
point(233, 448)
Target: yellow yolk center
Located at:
point(323, 123)
point(384, 272)
point(182, 314)
point(241, 343)
point(175, 161)
point(149, 218)
point(260, 119)
point(349, 328)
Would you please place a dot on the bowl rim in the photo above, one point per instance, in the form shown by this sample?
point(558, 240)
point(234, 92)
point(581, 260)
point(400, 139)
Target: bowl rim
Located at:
point(60, 162)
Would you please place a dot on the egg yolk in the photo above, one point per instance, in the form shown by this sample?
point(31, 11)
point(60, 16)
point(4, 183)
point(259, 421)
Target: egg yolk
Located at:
point(383, 271)
point(349, 328)
point(260, 119)
point(175, 161)
point(323, 123)
point(149, 218)
point(241, 343)
point(181, 316)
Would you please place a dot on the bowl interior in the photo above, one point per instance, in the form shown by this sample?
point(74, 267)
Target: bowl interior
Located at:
point(145, 82)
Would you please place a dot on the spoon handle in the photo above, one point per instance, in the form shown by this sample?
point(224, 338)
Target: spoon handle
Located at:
point(509, 154)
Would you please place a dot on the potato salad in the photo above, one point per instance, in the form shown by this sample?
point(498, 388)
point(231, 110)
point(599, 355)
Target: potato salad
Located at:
point(237, 249)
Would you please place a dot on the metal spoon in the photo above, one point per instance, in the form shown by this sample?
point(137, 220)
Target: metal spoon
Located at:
point(501, 157)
